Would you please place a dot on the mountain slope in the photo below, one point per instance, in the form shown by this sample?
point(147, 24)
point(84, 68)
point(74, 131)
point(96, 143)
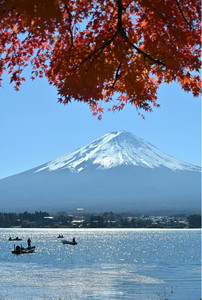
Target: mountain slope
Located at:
point(118, 172)
point(115, 149)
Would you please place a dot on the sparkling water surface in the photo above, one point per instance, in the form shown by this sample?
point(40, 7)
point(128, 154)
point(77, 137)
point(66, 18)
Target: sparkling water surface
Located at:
point(133, 264)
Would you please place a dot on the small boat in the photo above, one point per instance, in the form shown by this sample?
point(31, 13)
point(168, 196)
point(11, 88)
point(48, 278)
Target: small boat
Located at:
point(60, 236)
point(73, 242)
point(22, 250)
point(15, 239)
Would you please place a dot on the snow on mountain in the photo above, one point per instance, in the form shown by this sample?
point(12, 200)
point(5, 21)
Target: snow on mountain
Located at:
point(116, 172)
point(116, 149)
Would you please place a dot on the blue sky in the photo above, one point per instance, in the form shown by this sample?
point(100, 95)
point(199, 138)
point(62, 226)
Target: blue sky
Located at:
point(36, 129)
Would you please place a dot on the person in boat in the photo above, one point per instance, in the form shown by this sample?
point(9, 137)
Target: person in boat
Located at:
point(29, 242)
point(73, 241)
point(18, 249)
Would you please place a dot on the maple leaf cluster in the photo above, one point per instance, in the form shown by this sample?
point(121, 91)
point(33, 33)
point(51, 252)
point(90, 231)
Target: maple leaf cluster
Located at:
point(91, 50)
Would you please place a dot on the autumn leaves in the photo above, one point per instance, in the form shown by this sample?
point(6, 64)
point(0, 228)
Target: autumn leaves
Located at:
point(91, 50)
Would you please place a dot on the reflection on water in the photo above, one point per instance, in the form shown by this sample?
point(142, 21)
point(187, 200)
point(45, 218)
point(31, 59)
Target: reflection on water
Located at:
point(106, 264)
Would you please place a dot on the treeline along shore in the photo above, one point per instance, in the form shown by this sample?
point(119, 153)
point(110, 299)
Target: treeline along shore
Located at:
point(40, 219)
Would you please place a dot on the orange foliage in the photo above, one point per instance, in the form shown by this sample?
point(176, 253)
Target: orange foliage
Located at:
point(90, 49)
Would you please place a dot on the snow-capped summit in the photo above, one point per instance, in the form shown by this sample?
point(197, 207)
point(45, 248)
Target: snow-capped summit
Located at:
point(116, 172)
point(116, 149)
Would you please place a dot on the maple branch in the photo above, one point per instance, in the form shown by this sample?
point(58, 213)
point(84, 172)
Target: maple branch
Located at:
point(125, 37)
point(96, 51)
point(117, 74)
point(180, 9)
point(120, 9)
point(120, 31)
point(157, 61)
point(70, 22)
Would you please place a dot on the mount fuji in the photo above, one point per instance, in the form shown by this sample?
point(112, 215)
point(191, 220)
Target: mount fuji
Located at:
point(118, 171)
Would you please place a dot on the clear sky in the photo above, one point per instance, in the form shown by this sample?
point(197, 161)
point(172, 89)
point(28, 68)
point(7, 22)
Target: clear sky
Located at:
point(36, 129)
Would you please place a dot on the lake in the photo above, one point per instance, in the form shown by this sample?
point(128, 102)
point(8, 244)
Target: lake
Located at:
point(106, 264)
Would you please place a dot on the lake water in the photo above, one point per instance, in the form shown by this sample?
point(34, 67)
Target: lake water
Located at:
point(137, 264)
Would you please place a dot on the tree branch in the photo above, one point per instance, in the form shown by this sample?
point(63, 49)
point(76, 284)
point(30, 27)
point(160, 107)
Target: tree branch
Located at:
point(180, 9)
point(120, 31)
point(117, 74)
point(123, 34)
point(96, 51)
point(156, 61)
point(70, 22)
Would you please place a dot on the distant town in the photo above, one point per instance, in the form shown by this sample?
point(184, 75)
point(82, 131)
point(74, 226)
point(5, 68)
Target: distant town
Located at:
point(40, 219)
